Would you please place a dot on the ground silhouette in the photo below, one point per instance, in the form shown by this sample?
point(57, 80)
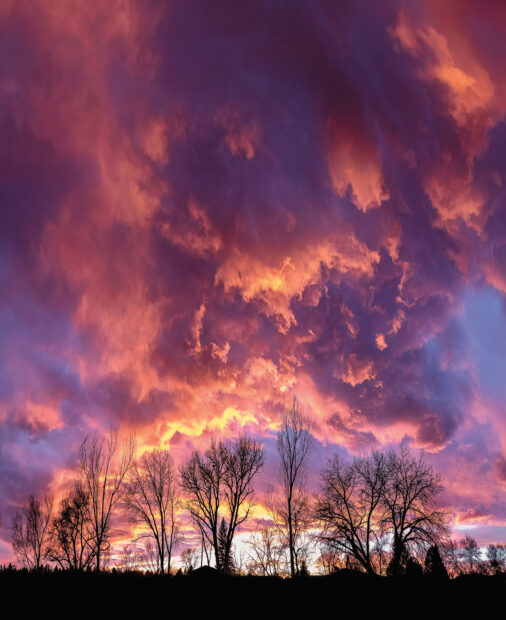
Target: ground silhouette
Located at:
point(345, 594)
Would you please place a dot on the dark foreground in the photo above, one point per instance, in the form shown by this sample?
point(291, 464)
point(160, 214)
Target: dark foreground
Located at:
point(203, 595)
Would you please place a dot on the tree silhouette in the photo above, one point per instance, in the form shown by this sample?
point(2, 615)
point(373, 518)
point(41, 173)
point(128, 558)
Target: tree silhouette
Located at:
point(329, 560)
point(372, 499)
point(265, 552)
point(103, 481)
point(151, 500)
point(399, 561)
point(451, 555)
point(130, 558)
point(30, 532)
point(434, 565)
point(470, 553)
point(348, 506)
point(496, 557)
point(71, 536)
point(294, 441)
point(219, 486)
point(413, 567)
point(412, 516)
point(189, 559)
point(227, 563)
point(303, 570)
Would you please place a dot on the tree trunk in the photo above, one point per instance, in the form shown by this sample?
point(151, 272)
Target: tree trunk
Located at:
point(290, 537)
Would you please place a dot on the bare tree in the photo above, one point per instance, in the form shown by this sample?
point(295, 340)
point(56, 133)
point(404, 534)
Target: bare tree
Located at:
point(189, 559)
point(239, 559)
point(301, 519)
point(202, 479)
point(265, 552)
point(244, 460)
point(149, 555)
point(130, 558)
point(450, 553)
point(496, 557)
point(151, 500)
point(329, 560)
point(102, 479)
point(470, 553)
point(379, 498)
point(412, 516)
point(205, 548)
point(71, 536)
point(348, 507)
point(220, 491)
point(294, 441)
point(381, 551)
point(30, 532)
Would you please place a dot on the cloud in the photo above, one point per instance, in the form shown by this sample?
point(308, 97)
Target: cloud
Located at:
point(206, 211)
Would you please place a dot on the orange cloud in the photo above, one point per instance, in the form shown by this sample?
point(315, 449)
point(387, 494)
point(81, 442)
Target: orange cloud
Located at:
point(275, 286)
point(354, 166)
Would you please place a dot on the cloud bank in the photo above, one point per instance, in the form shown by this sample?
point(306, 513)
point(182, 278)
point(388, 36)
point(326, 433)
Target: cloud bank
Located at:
point(208, 209)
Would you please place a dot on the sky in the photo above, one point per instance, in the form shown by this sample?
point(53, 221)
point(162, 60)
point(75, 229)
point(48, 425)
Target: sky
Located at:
point(209, 208)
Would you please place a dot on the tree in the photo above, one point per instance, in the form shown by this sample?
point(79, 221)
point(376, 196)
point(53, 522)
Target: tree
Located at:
point(380, 555)
point(412, 517)
point(294, 441)
point(129, 559)
point(71, 537)
point(244, 460)
point(496, 557)
point(349, 506)
point(219, 485)
point(303, 571)
point(413, 567)
point(227, 563)
point(434, 565)
point(151, 500)
point(202, 479)
point(329, 560)
point(301, 519)
point(189, 559)
point(149, 555)
point(205, 548)
point(470, 553)
point(30, 532)
point(451, 556)
point(363, 503)
point(103, 479)
point(265, 553)
point(399, 560)
point(239, 555)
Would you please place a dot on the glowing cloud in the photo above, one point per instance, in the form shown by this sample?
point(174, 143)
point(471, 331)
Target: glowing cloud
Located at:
point(209, 208)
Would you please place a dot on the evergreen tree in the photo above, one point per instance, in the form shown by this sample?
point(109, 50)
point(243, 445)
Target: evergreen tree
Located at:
point(303, 571)
point(434, 565)
point(413, 568)
point(227, 563)
point(399, 560)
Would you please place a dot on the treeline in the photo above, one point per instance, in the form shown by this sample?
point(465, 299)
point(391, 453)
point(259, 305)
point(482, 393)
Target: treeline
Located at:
point(377, 514)
point(464, 557)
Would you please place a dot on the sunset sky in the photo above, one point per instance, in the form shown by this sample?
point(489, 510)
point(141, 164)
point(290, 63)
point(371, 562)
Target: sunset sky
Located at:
point(210, 207)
